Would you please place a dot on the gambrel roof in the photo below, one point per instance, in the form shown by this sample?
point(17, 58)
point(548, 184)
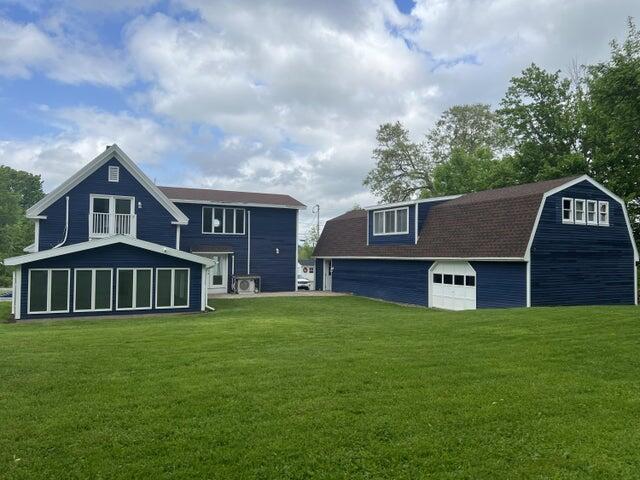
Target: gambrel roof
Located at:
point(490, 224)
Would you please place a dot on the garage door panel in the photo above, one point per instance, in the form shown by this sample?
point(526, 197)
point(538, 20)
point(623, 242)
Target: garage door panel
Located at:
point(453, 286)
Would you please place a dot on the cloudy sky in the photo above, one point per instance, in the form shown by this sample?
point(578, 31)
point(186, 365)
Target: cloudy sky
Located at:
point(282, 96)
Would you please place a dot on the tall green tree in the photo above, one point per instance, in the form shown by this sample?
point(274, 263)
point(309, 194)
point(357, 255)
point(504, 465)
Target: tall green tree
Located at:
point(305, 251)
point(612, 121)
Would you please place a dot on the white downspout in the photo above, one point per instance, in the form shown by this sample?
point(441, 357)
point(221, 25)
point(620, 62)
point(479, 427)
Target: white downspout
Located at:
point(248, 242)
point(66, 227)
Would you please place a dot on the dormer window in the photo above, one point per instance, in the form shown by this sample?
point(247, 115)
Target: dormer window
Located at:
point(114, 174)
point(391, 222)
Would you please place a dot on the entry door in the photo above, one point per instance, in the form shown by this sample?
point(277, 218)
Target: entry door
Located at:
point(453, 286)
point(217, 276)
point(328, 273)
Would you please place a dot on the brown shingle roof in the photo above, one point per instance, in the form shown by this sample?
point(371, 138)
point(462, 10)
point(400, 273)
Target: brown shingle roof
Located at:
point(228, 196)
point(492, 223)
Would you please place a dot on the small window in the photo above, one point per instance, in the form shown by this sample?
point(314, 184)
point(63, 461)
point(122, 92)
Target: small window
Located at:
point(114, 174)
point(448, 279)
point(134, 289)
point(567, 210)
point(172, 287)
point(437, 278)
point(458, 280)
point(378, 223)
point(580, 215)
point(391, 222)
point(592, 212)
point(470, 281)
point(48, 291)
point(223, 220)
point(603, 213)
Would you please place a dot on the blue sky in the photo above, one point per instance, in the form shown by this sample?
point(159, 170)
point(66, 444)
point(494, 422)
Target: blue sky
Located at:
point(282, 96)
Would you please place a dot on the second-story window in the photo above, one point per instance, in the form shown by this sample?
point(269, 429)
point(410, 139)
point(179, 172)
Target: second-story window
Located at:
point(223, 220)
point(393, 221)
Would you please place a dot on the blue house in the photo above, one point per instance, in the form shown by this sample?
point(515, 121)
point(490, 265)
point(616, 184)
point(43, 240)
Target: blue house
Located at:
point(560, 242)
point(108, 241)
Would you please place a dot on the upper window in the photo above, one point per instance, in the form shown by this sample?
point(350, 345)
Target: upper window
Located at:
point(592, 207)
point(579, 206)
point(391, 222)
point(223, 220)
point(603, 213)
point(114, 174)
point(585, 212)
point(48, 291)
point(567, 210)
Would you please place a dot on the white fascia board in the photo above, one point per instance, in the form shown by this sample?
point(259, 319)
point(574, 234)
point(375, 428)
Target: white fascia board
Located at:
point(435, 259)
point(410, 202)
point(239, 204)
point(571, 183)
point(79, 247)
point(92, 166)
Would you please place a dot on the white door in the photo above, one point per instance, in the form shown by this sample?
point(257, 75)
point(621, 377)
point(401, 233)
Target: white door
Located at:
point(328, 273)
point(217, 276)
point(452, 286)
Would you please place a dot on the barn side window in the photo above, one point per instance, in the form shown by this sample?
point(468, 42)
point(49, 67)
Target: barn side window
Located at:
point(567, 210)
point(579, 206)
point(592, 212)
point(603, 213)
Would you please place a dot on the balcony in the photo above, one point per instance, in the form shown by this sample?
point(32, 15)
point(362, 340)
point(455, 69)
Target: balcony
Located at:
point(107, 224)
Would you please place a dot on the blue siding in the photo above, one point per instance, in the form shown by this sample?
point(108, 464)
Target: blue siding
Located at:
point(407, 239)
point(271, 228)
point(403, 281)
point(115, 256)
point(319, 274)
point(581, 264)
point(153, 220)
point(423, 212)
point(500, 284)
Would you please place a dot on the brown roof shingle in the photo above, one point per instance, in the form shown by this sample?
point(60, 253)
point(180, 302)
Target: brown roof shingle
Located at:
point(491, 224)
point(228, 196)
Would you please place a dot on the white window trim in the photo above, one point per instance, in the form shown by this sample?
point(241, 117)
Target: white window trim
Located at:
point(112, 202)
point(134, 299)
point(93, 289)
point(224, 220)
point(570, 220)
point(384, 221)
point(601, 223)
point(595, 212)
point(48, 270)
point(116, 176)
point(584, 211)
point(173, 283)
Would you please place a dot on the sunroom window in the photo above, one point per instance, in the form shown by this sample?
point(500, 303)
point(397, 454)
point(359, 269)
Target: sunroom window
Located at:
point(389, 222)
point(92, 290)
point(48, 291)
point(172, 287)
point(134, 289)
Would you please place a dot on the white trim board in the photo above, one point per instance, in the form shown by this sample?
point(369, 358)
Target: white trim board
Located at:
point(111, 152)
point(134, 242)
point(411, 202)
point(238, 204)
point(435, 259)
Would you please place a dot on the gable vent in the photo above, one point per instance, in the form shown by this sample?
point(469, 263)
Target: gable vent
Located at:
point(114, 174)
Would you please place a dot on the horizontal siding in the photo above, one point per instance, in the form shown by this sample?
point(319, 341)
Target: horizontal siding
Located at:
point(153, 220)
point(403, 281)
point(319, 274)
point(581, 264)
point(500, 284)
point(115, 256)
point(406, 239)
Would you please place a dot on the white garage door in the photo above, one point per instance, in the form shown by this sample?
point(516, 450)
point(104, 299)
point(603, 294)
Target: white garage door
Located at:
point(453, 286)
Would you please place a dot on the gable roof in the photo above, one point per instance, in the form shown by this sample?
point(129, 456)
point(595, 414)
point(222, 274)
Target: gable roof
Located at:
point(112, 151)
point(206, 195)
point(488, 224)
point(79, 247)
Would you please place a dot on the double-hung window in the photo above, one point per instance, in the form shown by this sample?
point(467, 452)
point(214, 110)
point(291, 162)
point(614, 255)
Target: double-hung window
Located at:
point(592, 212)
point(172, 287)
point(92, 291)
point(223, 220)
point(580, 215)
point(603, 213)
point(133, 289)
point(567, 210)
point(391, 222)
point(48, 291)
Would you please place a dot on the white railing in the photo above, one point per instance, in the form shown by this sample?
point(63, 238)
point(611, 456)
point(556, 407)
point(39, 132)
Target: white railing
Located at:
point(106, 224)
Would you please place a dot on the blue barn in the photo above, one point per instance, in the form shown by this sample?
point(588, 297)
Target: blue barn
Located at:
point(108, 241)
point(559, 242)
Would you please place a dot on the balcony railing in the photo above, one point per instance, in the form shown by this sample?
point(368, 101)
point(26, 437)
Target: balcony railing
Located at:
point(107, 224)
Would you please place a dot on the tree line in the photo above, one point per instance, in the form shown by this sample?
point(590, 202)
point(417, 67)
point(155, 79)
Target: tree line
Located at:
point(547, 125)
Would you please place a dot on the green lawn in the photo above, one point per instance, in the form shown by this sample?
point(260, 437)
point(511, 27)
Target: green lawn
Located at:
point(330, 388)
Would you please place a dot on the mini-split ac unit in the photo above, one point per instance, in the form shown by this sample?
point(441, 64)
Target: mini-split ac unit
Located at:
point(247, 284)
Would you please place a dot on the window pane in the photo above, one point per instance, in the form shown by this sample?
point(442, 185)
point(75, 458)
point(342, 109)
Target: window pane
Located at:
point(38, 291)
point(377, 222)
point(228, 220)
point(101, 205)
point(402, 220)
point(103, 289)
point(207, 219)
point(389, 221)
point(125, 288)
point(448, 279)
point(459, 280)
point(59, 290)
point(471, 281)
point(217, 219)
point(579, 210)
point(123, 205)
point(240, 221)
point(180, 289)
point(164, 288)
point(143, 289)
point(83, 289)
point(437, 278)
